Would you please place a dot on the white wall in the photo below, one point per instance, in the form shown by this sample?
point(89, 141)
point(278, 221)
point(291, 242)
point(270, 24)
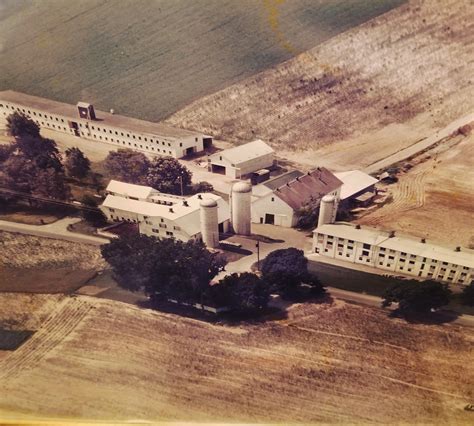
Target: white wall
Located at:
point(271, 204)
point(391, 260)
point(98, 131)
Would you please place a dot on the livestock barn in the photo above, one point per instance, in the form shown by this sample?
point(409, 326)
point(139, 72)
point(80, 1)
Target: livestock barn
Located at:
point(277, 201)
point(119, 131)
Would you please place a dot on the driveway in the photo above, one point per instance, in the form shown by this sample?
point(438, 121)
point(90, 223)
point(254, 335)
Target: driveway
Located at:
point(57, 230)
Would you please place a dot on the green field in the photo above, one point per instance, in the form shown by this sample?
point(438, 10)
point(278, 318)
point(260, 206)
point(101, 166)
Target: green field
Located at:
point(148, 58)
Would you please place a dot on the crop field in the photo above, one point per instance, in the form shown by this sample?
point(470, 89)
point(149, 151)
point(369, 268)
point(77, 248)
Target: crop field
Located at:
point(331, 362)
point(147, 59)
point(44, 265)
point(435, 198)
point(358, 97)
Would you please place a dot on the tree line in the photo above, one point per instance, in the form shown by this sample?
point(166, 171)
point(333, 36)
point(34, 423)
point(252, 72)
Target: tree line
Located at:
point(32, 164)
point(170, 269)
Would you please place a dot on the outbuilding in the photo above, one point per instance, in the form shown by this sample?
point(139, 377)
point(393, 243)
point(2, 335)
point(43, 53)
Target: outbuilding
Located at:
point(356, 185)
point(242, 160)
point(278, 201)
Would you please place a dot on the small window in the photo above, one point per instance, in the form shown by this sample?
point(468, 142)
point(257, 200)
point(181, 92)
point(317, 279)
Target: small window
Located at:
point(273, 198)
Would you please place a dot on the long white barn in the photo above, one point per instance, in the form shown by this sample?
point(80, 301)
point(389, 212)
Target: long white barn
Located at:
point(161, 215)
point(385, 251)
point(117, 130)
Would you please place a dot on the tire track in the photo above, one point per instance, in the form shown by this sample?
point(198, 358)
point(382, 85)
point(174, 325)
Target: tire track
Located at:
point(53, 331)
point(409, 195)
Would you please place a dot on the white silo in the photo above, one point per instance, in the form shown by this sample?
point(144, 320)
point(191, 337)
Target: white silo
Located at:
point(327, 210)
point(241, 198)
point(209, 222)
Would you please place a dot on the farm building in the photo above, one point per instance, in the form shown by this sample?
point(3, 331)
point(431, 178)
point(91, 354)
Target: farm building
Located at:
point(384, 250)
point(242, 160)
point(356, 186)
point(277, 201)
point(380, 250)
point(84, 121)
point(201, 216)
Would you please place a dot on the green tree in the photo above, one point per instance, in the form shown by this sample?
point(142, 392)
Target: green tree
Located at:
point(415, 296)
point(308, 214)
point(128, 166)
point(5, 152)
point(95, 217)
point(42, 151)
point(162, 268)
point(201, 187)
point(467, 295)
point(244, 292)
point(285, 272)
point(20, 125)
point(49, 183)
point(166, 174)
point(77, 164)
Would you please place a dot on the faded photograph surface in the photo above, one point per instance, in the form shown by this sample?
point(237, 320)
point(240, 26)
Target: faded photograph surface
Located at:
point(226, 211)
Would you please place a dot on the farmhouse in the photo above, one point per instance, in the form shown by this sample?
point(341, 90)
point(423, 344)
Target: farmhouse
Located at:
point(278, 200)
point(242, 160)
point(84, 121)
point(356, 186)
point(383, 250)
point(165, 215)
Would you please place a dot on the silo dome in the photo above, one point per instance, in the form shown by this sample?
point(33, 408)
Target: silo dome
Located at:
point(241, 187)
point(209, 222)
point(208, 202)
point(240, 207)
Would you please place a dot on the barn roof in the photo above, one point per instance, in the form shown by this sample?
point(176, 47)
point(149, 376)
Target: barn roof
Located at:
point(103, 118)
point(353, 182)
point(242, 153)
point(129, 189)
point(281, 180)
point(311, 186)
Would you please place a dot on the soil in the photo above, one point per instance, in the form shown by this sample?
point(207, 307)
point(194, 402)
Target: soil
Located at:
point(434, 199)
point(329, 362)
point(357, 98)
point(44, 265)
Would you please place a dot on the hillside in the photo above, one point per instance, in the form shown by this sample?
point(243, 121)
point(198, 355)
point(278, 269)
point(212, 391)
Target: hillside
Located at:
point(358, 97)
point(334, 362)
point(146, 58)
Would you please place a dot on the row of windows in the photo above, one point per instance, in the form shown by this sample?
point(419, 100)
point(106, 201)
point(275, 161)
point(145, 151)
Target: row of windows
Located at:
point(366, 253)
point(163, 151)
point(80, 125)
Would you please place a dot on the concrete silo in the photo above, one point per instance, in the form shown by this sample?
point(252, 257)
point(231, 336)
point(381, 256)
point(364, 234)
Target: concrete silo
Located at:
point(327, 210)
point(209, 222)
point(241, 198)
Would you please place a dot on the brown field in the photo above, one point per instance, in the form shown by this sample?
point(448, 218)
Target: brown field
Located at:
point(44, 265)
point(333, 362)
point(358, 97)
point(435, 198)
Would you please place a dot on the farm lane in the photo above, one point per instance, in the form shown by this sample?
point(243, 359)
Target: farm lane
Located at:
point(421, 145)
point(56, 230)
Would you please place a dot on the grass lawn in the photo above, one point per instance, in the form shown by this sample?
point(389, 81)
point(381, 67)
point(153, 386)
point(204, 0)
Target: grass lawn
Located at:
point(23, 213)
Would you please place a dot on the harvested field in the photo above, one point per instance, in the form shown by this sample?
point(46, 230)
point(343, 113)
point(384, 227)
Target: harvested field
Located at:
point(149, 58)
point(335, 362)
point(435, 198)
point(358, 97)
point(44, 265)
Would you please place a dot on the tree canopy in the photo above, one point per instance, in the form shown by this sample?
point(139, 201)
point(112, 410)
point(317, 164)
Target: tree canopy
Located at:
point(415, 296)
point(286, 273)
point(20, 125)
point(32, 164)
point(467, 295)
point(244, 292)
point(162, 268)
point(76, 163)
point(166, 174)
point(128, 166)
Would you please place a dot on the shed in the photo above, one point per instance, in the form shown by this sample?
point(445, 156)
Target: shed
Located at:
point(242, 160)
